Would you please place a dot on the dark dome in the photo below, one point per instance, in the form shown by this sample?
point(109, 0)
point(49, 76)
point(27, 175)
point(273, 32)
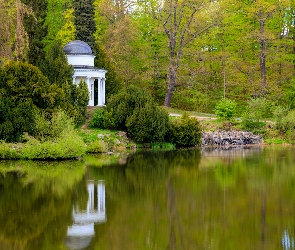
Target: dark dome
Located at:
point(77, 47)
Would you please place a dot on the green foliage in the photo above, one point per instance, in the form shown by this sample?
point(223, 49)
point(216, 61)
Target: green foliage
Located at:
point(81, 98)
point(55, 138)
point(56, 68)
point(24, 90)
point(148, 124)
point(98, 146)
point(84, 21)
point(122, 105)
point(248, 123)
point(36, 29)
point(67, 31)
point(60, 73)
point(259, 108)
point(288, 122)
point(50, 128)
point(69, 145)
point(279, 112)
point(185, 132)
point(225, 109)
point(97, 120)
point(114, 82)
point(189, 99)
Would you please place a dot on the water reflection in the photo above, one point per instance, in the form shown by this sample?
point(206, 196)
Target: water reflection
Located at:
point(81, 232)
point(186, 199)
point(287, 241)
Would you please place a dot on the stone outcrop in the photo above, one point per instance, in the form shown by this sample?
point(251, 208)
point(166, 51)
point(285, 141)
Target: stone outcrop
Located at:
point(224, 138)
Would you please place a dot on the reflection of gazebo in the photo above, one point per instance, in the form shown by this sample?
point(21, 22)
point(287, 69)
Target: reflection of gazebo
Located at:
point(81, 232)
point(80, 55)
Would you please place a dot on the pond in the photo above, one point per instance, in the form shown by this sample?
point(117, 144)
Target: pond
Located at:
point(236, 198)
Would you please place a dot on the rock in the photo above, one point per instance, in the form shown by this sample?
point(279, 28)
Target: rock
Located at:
point(100, 136)
point(225, 138)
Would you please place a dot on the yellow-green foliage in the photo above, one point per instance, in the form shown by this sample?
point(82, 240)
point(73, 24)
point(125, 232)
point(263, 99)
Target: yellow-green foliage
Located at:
point(185, 132)
point(98, 146)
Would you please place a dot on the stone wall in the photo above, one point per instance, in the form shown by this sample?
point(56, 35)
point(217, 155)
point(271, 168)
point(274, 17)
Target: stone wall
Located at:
point(224, 138)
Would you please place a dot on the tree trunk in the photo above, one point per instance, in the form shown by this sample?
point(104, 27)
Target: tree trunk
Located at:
point(172, 83)
point(262, 51)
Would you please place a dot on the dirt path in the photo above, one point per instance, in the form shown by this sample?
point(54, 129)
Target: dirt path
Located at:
point(198, 117)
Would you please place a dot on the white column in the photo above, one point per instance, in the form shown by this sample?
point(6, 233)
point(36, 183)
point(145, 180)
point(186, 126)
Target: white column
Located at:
point(74, 79)
point(99, 100)
point(103, 91)
point(91, 92)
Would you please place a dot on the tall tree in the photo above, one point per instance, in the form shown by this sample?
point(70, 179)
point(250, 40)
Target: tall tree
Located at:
point(59, 22)
point(14, 40)
point(84, 21)
point(36, 29)
point(181, 28)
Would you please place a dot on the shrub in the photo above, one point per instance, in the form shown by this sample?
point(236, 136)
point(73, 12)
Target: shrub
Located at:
point(279, 112)
point(81, 99)
point(148, 124)
point(185, 132)
point(98, 146)
point(259, 108)
point(67, 146)
point(24, 89)
point(225, 109)
point(97, 120)
point(122, 105)
point(249, 123)
point(52, 126)
point(288, 122)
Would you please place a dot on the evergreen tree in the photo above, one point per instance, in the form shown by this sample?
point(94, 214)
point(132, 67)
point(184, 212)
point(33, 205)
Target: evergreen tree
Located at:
point(36, 29)
point(24, 90)
point(84, 21)
point(60, 73)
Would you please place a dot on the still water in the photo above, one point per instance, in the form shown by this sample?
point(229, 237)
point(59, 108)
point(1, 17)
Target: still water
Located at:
point(242, 198)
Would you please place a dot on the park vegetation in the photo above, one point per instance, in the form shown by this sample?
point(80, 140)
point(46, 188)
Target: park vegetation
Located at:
point(232, 58)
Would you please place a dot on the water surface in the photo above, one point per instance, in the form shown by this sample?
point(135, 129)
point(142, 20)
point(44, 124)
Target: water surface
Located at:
point(240, 198)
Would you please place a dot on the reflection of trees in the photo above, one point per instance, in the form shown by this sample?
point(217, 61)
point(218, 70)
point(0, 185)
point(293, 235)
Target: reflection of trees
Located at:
point(36, 203)
point(242, 202)
point(138, 194)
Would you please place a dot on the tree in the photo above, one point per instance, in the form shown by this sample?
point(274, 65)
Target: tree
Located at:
point(14, 40)
point(24, 90)
point(84, 21)
point(181, 28)
point(36, 29)
point(114, 82)
point(60, 73)
point(59, 22)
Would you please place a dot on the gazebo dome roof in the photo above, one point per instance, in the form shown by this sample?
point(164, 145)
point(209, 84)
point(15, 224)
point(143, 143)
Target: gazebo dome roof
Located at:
point(77, 47)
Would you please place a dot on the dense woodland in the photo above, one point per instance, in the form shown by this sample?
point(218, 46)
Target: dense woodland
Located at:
point(189, 54)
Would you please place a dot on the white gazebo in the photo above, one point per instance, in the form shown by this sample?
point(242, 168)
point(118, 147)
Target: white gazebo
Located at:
point(80, 56)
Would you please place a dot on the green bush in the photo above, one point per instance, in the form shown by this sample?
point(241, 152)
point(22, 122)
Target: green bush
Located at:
point(225, 109)
point(69, 145)
point(122, 105)
point(97, 120)
point(98, 146)
point(259, 108)
point(288, 122)
point(148, 124)
point(24, 89)
point(251, 124)
point(185, 132)
point(52, 127)
point(279, 112)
